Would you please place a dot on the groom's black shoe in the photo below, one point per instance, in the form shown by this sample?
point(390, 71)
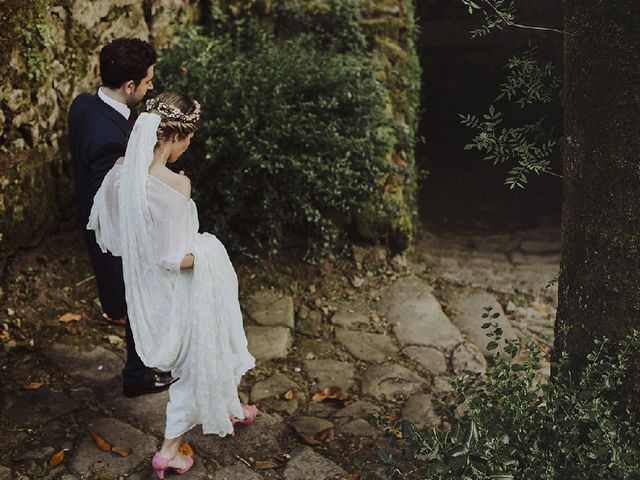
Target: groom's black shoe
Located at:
point(152, 382)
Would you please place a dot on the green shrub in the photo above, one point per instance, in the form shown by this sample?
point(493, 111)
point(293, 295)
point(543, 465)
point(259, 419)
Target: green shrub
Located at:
point(293, 140)
point(516, 428)
point(332, 25)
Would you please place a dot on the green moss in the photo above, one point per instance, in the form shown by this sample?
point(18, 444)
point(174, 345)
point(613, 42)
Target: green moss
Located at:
point(25, 29)
point(391, 27)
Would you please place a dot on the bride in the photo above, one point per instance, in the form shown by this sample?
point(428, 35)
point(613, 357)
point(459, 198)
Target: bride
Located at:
point(181, 289)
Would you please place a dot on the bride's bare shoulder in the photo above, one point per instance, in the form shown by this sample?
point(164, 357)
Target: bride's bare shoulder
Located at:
point(177, 181)
point(181, 183)
point(120, 161)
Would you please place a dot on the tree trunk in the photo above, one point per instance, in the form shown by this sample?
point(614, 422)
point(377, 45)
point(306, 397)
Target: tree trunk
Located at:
point(599, 285)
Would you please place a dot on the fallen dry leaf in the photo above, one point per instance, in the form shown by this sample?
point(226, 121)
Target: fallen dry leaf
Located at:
point(56, 459)
point(265, 465)
point(349, 476)
point(282, 457)
point(327, 394)
point(246, 462)
point(69, 317)
point(32, 386)
point(326, 435)
point(100, 442)
point(93, 407)
point(540, 307)
point(185, 449)
point(289, 394)
point(309, 440)
point(122, 451)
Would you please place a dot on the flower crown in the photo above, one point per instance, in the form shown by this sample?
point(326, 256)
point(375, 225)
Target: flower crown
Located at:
point(174, 113)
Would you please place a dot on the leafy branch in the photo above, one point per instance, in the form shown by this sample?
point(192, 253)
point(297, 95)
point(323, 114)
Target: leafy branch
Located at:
point(528, 145)
point(498, 15)
point(528, 81)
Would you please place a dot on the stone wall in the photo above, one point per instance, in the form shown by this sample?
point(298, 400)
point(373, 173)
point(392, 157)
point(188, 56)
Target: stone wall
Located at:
point(49, 54)
point(390, 27)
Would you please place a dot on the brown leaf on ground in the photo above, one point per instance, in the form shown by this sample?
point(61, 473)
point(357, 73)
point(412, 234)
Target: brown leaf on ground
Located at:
point(309, 440)
point(32, 386)
point(185, 449)
point(265, 465)
point(329, 393)
point(326, 435)
point(349, 476)
point(100, 442)
point(93, 407)
point(282, 457)
point(289, 394)
point(246, 462)
point(69, 317)
point(540, 307)
point(122, 451)
point(56, 459)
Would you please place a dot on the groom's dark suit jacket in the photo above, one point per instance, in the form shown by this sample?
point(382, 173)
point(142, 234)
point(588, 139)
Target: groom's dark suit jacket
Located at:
point(98, 136)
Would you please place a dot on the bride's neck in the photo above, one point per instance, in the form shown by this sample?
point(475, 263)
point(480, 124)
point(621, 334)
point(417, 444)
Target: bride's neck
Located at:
point(161, 155)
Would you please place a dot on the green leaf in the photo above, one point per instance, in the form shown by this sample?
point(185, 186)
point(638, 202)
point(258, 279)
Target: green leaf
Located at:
point(386, 457)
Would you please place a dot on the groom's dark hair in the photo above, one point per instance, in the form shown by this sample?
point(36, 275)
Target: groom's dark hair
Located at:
point(125, 59)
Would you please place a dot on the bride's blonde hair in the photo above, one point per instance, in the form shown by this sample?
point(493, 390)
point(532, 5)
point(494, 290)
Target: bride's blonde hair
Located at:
point(179, 115)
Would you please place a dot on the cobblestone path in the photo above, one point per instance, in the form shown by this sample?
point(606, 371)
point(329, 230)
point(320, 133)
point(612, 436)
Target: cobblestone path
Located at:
point(390, 349)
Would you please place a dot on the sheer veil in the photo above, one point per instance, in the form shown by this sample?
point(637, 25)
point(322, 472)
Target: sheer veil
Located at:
point(158, 336)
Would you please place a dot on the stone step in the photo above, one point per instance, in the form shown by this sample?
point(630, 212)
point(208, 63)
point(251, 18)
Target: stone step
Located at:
point(417, 316)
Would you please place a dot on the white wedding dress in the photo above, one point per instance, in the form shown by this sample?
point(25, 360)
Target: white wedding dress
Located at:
point(184, 321)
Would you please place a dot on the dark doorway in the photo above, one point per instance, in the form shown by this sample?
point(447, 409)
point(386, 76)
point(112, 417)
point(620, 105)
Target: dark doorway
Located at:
point(462, 75)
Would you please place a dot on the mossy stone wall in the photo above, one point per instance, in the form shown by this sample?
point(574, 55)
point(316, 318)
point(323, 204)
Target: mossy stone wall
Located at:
point(49, 53)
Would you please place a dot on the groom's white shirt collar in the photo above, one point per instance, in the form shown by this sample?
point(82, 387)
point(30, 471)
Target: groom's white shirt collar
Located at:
point(121, 108)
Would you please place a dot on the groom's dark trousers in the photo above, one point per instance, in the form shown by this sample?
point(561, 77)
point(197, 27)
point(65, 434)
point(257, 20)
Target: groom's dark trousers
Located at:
point(98, 136)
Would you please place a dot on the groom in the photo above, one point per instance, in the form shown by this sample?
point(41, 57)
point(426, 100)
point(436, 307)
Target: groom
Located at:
point(99, 127)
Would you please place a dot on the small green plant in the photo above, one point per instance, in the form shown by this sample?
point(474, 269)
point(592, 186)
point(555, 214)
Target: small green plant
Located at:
point(516, 427)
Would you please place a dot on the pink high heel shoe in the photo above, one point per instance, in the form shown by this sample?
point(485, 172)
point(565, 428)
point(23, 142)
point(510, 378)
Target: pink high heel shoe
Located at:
point(251, 412)
point(160, 463)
